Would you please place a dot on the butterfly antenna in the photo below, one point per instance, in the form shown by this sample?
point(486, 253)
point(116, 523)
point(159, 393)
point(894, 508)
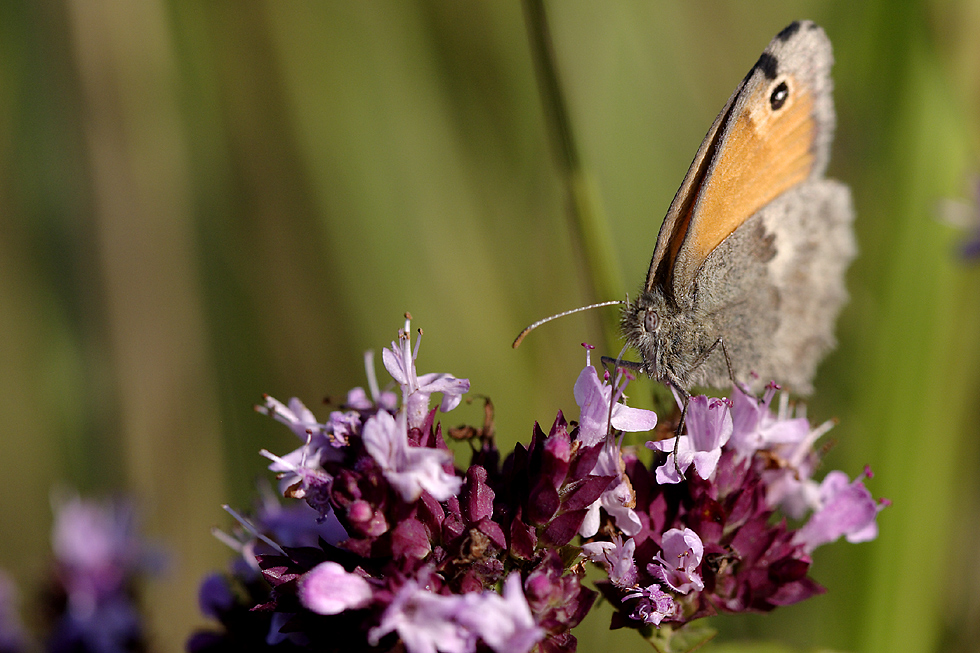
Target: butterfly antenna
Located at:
point(522, 334)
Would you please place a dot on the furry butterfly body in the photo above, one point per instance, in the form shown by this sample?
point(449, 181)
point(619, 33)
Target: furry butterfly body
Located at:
point(751, 256)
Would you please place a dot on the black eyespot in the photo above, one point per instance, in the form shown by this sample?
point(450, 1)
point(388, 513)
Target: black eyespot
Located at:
point(778, 97)
point(651, 321)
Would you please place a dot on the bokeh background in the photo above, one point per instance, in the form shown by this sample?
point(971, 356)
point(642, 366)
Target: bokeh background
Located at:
point(204, 201)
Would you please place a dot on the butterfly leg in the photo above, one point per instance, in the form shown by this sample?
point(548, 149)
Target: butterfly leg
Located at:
point(680, 426)
point(609, 361)
point(671, 381)
point(728, 360)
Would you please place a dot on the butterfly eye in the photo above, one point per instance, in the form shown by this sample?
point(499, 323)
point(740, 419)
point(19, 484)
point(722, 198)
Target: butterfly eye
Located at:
point(778, 97)
point(651, 321)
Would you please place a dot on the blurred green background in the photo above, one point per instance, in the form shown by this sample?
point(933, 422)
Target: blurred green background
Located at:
point(204, 201)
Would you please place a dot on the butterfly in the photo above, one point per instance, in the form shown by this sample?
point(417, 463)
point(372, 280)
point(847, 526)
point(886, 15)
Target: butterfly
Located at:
point(747, 276)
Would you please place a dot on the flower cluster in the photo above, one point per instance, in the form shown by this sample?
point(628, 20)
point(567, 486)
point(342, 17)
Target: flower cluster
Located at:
point(392, 545)
point(711, 541)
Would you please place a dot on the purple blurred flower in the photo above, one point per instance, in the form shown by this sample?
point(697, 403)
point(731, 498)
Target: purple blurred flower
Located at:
point(846, 508)
point(97, 548)
point(789, 484)
point(295, 524)
point(98, 554)
point(503, 622)
point(965, 215)
point(214, 596)
point(328, 588)
point(425, 622)
point(756, 428)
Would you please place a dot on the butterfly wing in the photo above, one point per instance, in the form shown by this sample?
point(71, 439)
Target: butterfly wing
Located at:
point(773, 134)
point(776, 287)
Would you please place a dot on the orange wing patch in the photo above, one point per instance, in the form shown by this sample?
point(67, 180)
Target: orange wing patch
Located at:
point(764, 155)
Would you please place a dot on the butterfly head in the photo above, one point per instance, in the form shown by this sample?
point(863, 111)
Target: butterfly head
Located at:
point(664, 334)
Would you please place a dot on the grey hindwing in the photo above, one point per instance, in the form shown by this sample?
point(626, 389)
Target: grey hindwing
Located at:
point(774, 288)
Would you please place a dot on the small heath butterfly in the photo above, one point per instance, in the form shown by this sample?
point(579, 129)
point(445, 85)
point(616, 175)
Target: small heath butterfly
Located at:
point(747, 276)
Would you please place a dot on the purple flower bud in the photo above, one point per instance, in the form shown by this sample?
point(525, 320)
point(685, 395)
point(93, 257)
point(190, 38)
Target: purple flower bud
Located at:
point(563, 528)
point(360, 511)
point(555, 457)
point(477, 497)
point(543, 502)
point(523, 538)
point(557, 600)
point(214, 596)
point(409, 539)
